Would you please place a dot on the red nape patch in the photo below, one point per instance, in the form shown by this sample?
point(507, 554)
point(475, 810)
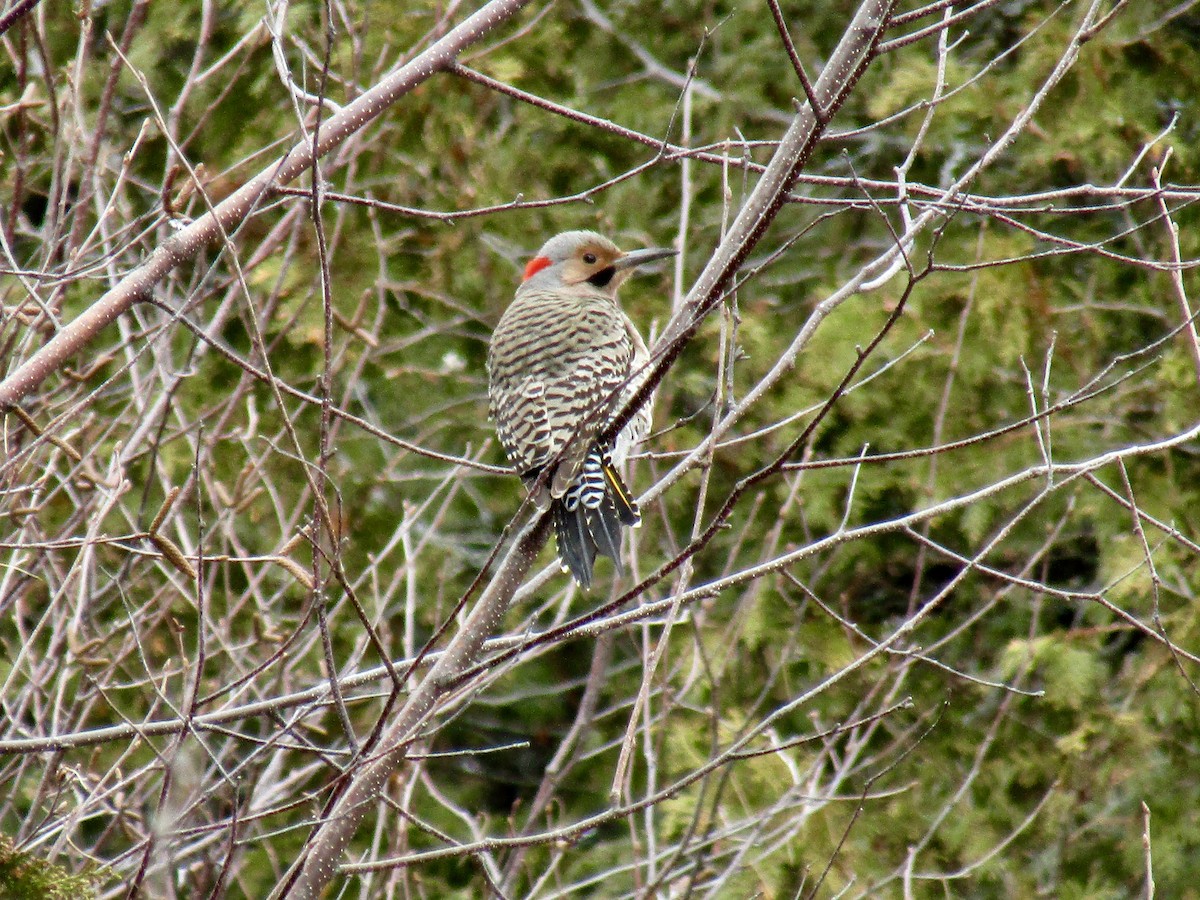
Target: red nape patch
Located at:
point(536, 265)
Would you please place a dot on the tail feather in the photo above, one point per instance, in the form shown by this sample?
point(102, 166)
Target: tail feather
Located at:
point(605, 530)
point(626, 508)
point(589, 516)
point(576, 550)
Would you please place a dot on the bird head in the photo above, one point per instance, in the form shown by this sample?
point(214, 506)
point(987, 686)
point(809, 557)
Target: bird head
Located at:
point(579, 258)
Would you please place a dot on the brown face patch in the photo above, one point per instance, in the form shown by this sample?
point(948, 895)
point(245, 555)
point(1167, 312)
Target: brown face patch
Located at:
point(588, 261)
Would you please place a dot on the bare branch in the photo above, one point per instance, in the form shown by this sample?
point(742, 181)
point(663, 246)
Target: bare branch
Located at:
point(190, 240)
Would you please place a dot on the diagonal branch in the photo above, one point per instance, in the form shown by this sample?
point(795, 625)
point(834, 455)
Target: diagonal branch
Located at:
point(235, 208)
point(357, 798)
point(318, 863)
point(794, 56)
point(10, 18)
point(846, 65)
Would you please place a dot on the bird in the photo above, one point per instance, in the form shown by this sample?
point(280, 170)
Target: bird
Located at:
point(562, 361)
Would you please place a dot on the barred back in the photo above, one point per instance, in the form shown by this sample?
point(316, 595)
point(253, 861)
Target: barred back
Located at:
point(555, 359)
point(555, 363)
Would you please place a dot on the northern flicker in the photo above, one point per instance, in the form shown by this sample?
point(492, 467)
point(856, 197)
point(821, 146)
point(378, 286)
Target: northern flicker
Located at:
point(559, 369)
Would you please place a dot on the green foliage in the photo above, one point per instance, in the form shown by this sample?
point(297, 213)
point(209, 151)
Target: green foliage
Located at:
point(1041, 718)
point(25, 877)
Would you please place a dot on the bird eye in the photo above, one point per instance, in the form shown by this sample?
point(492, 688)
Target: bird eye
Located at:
point(589, 258)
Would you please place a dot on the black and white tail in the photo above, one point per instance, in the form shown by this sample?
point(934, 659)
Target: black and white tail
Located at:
point(589, 516)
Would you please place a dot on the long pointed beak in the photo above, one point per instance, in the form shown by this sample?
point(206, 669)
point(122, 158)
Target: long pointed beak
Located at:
point(639, 257)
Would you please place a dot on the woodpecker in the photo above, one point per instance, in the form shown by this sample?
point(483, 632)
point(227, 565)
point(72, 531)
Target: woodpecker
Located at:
point(559, 368)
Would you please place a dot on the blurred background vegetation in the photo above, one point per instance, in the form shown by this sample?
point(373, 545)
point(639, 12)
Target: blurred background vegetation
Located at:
point(1053, 703)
